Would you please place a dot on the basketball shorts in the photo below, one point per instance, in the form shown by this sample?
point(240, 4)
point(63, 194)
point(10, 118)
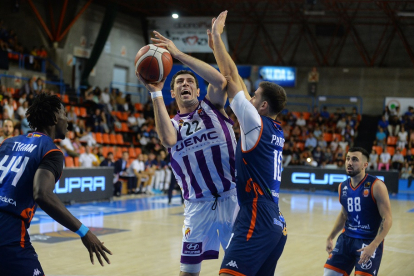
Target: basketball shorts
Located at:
point(204, 228)
point(18, 261)
point(344, 257)
point(257, 241)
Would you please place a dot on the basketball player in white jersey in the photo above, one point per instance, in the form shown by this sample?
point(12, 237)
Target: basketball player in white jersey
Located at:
point(202, 144)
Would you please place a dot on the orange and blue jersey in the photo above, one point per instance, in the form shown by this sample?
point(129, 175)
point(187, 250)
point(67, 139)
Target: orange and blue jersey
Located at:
point(20, 158)
point(363, 218)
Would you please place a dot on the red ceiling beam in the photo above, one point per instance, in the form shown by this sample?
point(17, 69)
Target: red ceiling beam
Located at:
point(74, 20)
point(39, 17)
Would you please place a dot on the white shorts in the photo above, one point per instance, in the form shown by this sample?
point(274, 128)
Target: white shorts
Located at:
point(204, 228)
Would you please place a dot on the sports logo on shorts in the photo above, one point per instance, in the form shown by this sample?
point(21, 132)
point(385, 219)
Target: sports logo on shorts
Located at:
point(192, 248)
point(232, 264)
point(366, 192)
point(36, 272)
point(187, 232)
point(367, 265)
point(330, 256)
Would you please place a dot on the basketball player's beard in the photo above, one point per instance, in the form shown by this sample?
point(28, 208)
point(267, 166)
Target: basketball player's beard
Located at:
point(353, 172)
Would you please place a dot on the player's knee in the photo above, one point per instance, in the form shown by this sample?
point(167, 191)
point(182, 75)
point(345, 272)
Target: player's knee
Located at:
point(190, 269)
point(330, 272)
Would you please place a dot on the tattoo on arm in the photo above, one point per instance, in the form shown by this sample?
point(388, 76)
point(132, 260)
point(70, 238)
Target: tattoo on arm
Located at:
point(381, 227)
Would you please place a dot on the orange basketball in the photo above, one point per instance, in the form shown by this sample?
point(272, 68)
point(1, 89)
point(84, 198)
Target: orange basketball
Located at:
point(153, 63)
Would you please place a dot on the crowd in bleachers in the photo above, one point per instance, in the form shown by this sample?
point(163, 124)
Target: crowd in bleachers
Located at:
point(107, 126)
point(10, 43)
point(394, 144)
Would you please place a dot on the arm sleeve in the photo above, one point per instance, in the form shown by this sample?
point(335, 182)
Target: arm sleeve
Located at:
point(53, 162)
point(249, 120)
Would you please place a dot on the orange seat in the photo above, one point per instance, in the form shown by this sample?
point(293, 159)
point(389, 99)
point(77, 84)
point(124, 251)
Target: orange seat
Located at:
point(132, 153)
point(65, 99)
point(119, 139)
point(111, 149)
point(306, 115)
point(378, 149)
point(117, 129)
point(69, 162)
point(76, 161)
point(82, 112)
point(105, 151)
point(296, 114)
point(412, 151)
point(338, 136)
point(404, 151)
point(138, 150)
point(123, 116)
point(106, 139)
point(328, 137)
point(124, 127)
point(391, 140)
point(118, 154)
point(99, 138)
point(138, 107)
point(112, 139)
point(300, 145)
point(391, 150)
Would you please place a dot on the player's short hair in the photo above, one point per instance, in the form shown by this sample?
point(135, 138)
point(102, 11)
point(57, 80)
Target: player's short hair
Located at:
point(182, 72)
point(361, 150)
point(274, 95)
point(43, 111)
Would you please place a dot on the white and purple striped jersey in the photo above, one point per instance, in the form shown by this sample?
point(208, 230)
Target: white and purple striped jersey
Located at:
point(203, 159)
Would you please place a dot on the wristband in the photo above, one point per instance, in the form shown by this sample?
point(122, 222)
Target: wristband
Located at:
point(156, 94)
point(82, 231)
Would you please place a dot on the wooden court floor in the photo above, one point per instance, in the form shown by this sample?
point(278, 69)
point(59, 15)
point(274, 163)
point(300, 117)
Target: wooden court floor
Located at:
point(151, 246)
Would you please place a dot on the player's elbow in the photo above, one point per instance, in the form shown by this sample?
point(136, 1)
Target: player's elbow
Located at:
point(40, 194)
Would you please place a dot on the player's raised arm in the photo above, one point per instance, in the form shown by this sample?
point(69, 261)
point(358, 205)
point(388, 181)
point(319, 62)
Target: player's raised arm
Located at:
point(384, 208)
point(43, 185)
point(204, 70)
point(165, 130)
point(226, 64)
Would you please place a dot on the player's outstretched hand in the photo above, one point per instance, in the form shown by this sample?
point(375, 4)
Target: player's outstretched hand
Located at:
point(329, 245)
point(210, 35)
point(161, 41)
point(233, 86)
point(94, 245)
point(219, 23)
point(152, 87)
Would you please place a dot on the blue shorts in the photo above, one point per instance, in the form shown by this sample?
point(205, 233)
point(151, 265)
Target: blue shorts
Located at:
point(18, 261)
point(257, 241)
point(344, 257)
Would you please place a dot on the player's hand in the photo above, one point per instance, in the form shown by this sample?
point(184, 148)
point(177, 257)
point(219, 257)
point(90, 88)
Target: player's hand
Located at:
point(233, 87)
point(366, 253)
point(210, 35)
point(329, 245)
point(152, 87)
point(219, 23)
point(161, 41)
point(94, 245)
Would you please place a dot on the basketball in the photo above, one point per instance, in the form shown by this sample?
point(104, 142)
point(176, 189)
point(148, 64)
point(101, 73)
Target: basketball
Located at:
point(153, 63)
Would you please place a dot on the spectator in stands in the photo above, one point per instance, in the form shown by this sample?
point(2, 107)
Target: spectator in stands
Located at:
point(409, 157)
point(137, 168)
point(348, 134)
point(410, 111)
point(402, 138)
point(287, 154)
point(322, 143)
point(354, 114)
point(397, 160)
point(105, 98)
point(38, 86)
point(295, 157)
point(16, 131)
point(311, 142)
point(42, 53)
point(21, 111)
point(340, 125)
point(351, 122)
point(394, 122)
point(343, 144)
point(22, 99)
point(150, 167)
point(318, 155)
point(110, 162)
point(28, 88)
point(121, 171)
point(8, 129)
point(340, 156)
point(315, 114)
point(8, 108)
point(383, 123)
point(67, 146)
point(334, 144)
point(301, 121)
point(141, 120)
point(384, 160)
point(296, 133)
point(325, 114)
point(98, 122)
point(88, 159)
point(76, 145)
point(132, 122)
point(328, 156)
point(411, 139)
point(317, 132)
point(373, 160)
point(381, 137)
point(386, 113)
point(407, 173)
point(95, 152)
point(291, 120)
point(24, 125)
point(72, 118)
point(120, 101)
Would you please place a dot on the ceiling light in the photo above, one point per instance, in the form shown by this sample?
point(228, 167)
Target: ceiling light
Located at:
point(174, 15)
